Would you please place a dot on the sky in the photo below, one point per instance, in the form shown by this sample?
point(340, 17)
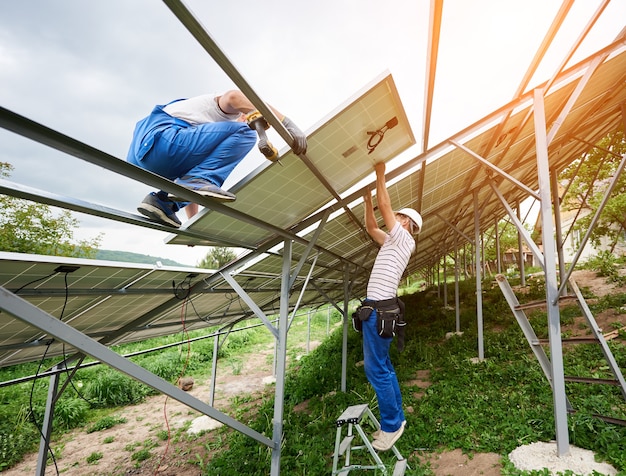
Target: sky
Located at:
point(91, 70)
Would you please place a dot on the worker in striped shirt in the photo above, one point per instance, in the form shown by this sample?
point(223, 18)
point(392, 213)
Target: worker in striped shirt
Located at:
point(396, 247)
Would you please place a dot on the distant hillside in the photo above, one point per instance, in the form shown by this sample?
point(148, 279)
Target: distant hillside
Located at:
point(128, 257)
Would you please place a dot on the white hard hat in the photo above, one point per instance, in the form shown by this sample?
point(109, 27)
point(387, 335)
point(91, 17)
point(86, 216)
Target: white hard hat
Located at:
point(413, 215)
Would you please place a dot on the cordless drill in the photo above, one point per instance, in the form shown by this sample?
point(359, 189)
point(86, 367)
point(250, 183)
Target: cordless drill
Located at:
point(258, 123)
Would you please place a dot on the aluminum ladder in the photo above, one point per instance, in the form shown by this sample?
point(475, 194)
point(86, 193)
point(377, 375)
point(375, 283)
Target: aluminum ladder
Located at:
point(352, 419)
point(536, 343)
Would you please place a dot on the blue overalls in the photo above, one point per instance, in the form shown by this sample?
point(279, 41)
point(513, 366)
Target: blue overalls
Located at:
point(172, 148)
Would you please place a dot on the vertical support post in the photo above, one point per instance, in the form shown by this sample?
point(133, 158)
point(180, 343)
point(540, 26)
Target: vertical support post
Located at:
point(308, 330)
point(216, 349)
point(46, 427)
point(479, 285)
point(328, 321)
point(281, 361)
point(437, 270)
point(464, 262)
point(344, 346)
point(485, 265)
point(445, 281)
point(552, 289)
point(456, 284)
point(556, 206)
point(498, 254)
point(520, 247)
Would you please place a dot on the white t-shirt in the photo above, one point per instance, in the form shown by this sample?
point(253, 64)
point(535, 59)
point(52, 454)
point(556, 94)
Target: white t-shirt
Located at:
point(390, 264)
point(199, 110)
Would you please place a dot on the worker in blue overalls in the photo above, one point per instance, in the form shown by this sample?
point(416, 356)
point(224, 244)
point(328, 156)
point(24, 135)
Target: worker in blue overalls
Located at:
point(196, 142)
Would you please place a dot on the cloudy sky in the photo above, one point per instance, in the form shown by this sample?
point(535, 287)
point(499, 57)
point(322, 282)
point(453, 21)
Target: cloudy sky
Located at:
point(92, 69)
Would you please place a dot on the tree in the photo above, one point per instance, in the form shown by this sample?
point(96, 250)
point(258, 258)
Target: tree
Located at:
point(507, 236)
point(28, 227)
point(217, 257)
point(589, 176)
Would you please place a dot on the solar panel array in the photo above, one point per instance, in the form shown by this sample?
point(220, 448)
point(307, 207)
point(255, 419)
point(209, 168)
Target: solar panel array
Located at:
point(120, 302)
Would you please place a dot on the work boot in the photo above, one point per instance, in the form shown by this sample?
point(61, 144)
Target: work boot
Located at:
point(158, 208)
point(203, 187)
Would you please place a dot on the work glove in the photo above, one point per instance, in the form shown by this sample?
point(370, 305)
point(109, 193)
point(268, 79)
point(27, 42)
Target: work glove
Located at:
point(299, 139)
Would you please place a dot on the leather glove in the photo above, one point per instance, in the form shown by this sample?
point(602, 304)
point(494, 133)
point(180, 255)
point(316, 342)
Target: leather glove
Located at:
point(299, 139)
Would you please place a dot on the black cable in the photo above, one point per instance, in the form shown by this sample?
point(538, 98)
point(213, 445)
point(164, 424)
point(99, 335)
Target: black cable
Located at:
point(32, 388)
point(34, 281)
point(182, 290)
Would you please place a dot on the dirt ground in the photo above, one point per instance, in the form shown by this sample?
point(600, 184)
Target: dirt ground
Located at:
point(175, 458)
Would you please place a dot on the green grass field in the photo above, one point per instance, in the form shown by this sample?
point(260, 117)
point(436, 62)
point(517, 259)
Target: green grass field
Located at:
point(492, 406)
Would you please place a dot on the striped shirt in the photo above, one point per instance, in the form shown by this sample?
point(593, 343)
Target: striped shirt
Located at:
point(390, 264)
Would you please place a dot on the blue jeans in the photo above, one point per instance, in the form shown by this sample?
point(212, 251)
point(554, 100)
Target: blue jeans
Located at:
point(209, 151)
point(382, 376)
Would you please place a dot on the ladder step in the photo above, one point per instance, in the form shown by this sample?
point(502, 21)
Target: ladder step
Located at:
point(572, 340)
point(345, 444)
point(533, 304)
point(601, 381)
point(352, 414)
point(400, 467)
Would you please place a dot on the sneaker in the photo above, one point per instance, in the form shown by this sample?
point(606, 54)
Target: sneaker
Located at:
point(379, 432)
point(159, 210)
point(387, 440)
point(203, 187)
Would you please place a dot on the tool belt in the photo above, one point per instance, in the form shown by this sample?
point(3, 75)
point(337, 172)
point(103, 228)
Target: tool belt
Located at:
point(389, 318)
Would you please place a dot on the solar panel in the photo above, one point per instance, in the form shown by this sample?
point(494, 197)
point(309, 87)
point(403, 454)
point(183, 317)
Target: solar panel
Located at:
point(104, 298)
point(283, 196)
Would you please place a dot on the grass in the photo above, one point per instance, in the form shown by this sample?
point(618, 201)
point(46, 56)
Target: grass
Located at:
point(492, 406)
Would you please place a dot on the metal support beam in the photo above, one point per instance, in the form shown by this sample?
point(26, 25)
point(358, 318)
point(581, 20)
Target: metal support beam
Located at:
point(309, 247)
point(48, 198)
point(46, 426)
point(31, 315)
point(281, 361)
point(61, 142)
point(346, 326)
point(498, 252)
point(518, 224)
point(479, 291)
point(250, 302)
point(434, 28)
point(520, 246)
point(216, 349)
point(556, 207)
point(205, 40)
point(454, 228)
point(304, 286)
point(445, 280)
point(552, 291)
point(457, 306)
point(499, 171)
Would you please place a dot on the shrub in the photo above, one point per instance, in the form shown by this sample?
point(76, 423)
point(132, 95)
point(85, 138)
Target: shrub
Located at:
point(115, 389)
point(70, 412)
point(17, 437)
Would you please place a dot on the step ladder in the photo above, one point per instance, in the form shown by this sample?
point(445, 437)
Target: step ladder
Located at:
point(352, 419)
point(536, 343)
